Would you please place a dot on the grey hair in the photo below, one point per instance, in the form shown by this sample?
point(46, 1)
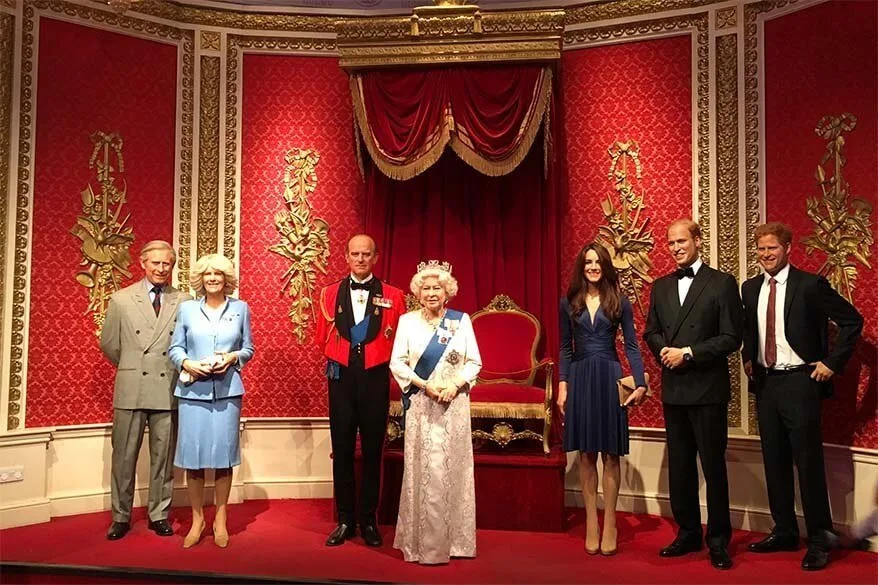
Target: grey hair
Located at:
point(448, 282)
point(158, 245)
point(213, 262)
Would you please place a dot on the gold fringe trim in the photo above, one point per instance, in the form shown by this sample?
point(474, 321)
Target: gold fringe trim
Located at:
point(399, 170)
point(529, 131)
point(514, 410)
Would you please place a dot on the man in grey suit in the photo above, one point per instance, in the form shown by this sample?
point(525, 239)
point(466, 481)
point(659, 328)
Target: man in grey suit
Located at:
point(135, 337)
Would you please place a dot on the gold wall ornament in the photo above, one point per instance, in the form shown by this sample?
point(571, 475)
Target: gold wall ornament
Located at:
point(104, 232)
point(304, 239)
point(121, 6)
point(627, 235)
point(842, 226)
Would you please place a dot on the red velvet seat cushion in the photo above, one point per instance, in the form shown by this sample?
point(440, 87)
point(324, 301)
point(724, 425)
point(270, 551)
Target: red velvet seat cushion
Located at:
point(505, 392)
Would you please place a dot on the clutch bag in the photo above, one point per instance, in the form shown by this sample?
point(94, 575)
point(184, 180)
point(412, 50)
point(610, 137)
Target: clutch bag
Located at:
point(627, 386)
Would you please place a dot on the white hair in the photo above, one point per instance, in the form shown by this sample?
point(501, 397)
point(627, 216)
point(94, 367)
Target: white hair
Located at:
point(213, 262)
point(448, 282)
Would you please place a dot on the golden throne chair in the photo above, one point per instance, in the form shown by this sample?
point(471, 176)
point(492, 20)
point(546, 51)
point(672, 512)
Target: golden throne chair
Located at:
point(507, 392)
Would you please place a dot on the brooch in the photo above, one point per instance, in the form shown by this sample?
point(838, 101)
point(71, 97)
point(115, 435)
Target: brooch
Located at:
point(453, 357)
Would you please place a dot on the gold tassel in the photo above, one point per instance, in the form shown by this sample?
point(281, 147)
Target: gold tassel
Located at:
point(399, 170)
point(529, 133)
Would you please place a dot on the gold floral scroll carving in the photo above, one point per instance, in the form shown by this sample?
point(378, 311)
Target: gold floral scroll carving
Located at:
point(842, 225)
point(102, 229)
point(304, 239)
point(627, 235)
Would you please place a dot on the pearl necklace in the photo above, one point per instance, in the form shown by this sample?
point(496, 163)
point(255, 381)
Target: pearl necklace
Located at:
point(430, 322)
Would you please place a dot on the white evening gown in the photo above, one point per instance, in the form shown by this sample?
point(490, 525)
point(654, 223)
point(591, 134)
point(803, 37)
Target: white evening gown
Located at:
point(437, 504)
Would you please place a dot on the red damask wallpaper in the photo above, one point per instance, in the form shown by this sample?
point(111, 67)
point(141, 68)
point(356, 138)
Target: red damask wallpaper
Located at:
point(90, 80)
point(291, 102)
point(822, 61)
point(632, 91)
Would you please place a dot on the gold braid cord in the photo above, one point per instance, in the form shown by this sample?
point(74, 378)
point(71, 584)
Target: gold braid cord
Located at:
point(842, 226)
point(304, 239)
point(627, 235)
point(105, 238)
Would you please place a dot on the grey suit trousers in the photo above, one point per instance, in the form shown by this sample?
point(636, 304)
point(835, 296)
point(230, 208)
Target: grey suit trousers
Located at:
point(128, 427)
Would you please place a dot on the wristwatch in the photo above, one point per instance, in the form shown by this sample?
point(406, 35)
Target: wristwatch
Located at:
point(688, 357)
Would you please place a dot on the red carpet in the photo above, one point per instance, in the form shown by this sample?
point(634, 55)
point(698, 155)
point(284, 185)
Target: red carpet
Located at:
point(284, 538)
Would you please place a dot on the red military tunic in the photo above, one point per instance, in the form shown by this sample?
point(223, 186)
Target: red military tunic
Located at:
point(385, 305)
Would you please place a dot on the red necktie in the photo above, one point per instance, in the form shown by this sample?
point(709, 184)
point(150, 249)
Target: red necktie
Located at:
point(157, 299)
point(770, 340)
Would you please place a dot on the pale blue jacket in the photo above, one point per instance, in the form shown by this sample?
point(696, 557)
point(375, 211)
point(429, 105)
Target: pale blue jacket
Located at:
point(196, 338)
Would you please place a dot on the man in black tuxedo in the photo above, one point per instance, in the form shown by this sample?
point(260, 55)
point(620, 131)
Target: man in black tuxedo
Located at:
point(787, 359)
point(695, 321)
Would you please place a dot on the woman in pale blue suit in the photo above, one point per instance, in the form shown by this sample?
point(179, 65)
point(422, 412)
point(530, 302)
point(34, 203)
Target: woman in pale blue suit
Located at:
point(211, 344)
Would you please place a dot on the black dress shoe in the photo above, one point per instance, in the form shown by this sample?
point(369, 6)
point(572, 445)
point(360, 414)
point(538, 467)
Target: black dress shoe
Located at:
point(371, 536)
point(341, 533)
point(719, 558)
point(680, 547)
point(775, 542)
point(161, 527)
point(117, 530)
point(815, 559)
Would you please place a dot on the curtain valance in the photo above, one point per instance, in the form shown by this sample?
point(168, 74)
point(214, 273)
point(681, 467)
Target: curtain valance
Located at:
point(489, 115)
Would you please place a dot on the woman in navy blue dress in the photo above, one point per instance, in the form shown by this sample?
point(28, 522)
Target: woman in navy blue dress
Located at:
point(594, 421)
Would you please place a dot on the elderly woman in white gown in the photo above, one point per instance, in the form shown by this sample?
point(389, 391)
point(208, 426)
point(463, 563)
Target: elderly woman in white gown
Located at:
point(436, 360)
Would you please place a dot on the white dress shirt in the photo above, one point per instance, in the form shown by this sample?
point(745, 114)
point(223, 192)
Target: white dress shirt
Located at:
point(786, 357)
point(359, 298)
point(685, 283)
point(149, 286)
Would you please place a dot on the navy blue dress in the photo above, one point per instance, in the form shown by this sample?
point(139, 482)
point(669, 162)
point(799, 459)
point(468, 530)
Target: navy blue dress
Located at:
point(594, 420)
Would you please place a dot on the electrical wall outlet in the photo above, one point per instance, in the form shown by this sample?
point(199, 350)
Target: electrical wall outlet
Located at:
point(10, 474)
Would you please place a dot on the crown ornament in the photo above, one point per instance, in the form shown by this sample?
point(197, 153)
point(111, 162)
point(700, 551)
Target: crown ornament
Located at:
point(435, 265)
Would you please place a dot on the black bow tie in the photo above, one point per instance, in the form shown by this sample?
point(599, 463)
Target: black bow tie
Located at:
point(361, 285)
point(684, 272)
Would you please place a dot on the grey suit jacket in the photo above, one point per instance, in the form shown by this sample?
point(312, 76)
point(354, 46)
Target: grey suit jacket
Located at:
point(137, 341)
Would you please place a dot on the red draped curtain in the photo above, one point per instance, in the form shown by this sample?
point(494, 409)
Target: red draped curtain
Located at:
point(491, 207)
point(489, 115)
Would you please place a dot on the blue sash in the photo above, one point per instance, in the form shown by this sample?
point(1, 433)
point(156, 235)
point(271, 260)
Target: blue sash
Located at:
point(430, 358)
point(358, 334)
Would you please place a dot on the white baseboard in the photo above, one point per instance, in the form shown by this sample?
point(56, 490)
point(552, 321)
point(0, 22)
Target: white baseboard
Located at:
point(67, 471)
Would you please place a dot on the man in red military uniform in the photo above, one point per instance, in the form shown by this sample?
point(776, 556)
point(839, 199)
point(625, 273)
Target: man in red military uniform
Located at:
point(356, 326)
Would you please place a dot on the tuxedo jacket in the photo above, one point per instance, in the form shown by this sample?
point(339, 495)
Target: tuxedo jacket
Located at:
point(336, 318)
point(810, 303)
point(137, 342)
point(710, 321)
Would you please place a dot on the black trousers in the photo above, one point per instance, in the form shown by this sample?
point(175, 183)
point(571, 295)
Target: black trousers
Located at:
point(789, 426)
point(358, 401)
point(699, 431)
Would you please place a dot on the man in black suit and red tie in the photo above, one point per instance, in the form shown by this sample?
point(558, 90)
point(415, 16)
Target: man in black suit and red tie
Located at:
point(355, 329)
point(695, 321)
point(787, 358)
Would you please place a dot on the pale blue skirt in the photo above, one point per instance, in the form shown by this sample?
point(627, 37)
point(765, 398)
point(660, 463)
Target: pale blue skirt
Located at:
point(207, 435)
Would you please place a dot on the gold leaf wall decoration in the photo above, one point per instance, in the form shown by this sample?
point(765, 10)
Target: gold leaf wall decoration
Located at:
point(304, 239)
point(842, 223)
point(105, 237)
point(627, 235)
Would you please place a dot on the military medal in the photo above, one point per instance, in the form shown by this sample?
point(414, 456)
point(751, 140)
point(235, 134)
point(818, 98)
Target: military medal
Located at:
point(388, 332)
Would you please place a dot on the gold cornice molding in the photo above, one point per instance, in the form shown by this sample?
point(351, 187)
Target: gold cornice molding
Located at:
point(208, 156)
point(597, 12)
point(440, 36)
point(31, 10)
point(698, 25)
point(728, 200)
point(234, 19)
